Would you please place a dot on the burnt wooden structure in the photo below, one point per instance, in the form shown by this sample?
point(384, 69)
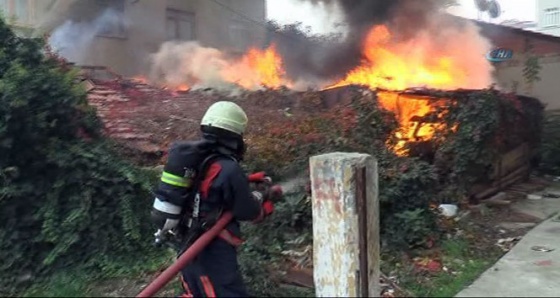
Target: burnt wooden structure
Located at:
point(515, 159)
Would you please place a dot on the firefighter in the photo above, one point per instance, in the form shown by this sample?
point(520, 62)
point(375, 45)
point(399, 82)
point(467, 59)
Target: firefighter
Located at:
point(201, 180)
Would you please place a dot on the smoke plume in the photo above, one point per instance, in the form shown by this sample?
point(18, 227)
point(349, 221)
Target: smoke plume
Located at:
point(74, 39)
point(178, 63)
point(323, 57)
point(422, 36)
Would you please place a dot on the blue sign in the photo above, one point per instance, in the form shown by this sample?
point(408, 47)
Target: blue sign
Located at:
point(499, 55)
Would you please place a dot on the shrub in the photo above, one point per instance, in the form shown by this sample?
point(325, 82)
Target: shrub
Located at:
point(65, 198)
point(480, 125)
point(550, 147)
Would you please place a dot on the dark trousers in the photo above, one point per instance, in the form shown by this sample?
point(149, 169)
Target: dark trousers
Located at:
point(214, 273)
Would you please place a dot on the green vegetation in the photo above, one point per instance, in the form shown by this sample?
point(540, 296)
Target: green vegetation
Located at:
point(63, 284)
point(550, 146)
point(87, 283)
point(462, 264)
point(531, 66)
point(408, 185)
point(73, 212)
point(67, 201)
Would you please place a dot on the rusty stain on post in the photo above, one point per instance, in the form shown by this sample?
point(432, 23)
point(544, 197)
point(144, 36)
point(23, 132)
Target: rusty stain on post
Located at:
point(361, 209)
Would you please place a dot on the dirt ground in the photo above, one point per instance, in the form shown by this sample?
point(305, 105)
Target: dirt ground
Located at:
point(480, 234)
point(487, 231)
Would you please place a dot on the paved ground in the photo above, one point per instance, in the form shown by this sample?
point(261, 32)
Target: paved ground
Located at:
point(524, 272)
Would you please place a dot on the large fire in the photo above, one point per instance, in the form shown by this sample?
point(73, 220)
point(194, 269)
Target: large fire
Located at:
point(397, 66)
point(388, 64)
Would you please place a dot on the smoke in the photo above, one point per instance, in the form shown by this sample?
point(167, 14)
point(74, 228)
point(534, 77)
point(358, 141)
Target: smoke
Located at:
point(420, 30)
point(178, 63)
point(464, 43)
point(294, 184)
point(309, 57)
point(189, 64)
point(73, 40)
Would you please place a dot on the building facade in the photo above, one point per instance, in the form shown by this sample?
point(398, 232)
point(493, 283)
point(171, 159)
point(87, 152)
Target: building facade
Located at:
point(510, 75)
point(526, 25)
point(124, 32)
point(548, 17)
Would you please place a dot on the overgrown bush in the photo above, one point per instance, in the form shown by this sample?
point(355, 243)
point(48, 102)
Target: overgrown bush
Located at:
point(65, 199)
point(550, 146)
point(479, 127)
point(262, 258)
point(489, 123)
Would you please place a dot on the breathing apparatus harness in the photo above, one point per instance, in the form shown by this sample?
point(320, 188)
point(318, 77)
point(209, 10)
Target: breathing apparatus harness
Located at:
point(192, 224)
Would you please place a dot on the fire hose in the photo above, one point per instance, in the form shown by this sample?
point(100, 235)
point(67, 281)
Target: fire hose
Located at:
point(203, 241)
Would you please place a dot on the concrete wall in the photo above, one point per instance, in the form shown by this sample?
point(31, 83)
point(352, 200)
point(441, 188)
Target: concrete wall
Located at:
point(543, 5)
point(222, 27)
point(509, 74)
point(510, 77)
point(146, 27)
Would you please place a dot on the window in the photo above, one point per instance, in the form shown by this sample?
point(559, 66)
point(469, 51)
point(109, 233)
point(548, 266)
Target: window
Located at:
point(18, 11)
point(180, 25)
point(4, 6)
point(111, 18)
point(240, 35)
point(22, 11)
point(551, 17)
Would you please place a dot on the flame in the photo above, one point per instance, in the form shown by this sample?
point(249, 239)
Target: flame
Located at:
point(183, 87)
point(140, 79)
point(409, 111)
point(257, 68)
point(391, 65)
point(388, 64)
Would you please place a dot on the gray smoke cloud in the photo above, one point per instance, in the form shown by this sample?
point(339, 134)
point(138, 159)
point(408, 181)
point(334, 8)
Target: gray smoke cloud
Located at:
point(73, 39)
point(321, 57)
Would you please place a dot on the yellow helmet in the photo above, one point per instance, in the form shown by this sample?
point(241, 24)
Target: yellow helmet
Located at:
point(226, 115)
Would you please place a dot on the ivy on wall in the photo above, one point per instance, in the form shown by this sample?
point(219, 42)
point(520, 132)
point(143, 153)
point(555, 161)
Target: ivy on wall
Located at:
point(531, 66)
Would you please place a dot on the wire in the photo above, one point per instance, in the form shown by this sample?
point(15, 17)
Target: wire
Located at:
point(240, 14)
point(266, 26)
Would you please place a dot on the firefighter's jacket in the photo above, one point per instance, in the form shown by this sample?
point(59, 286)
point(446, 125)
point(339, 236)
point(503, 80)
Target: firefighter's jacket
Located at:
point(224, 185)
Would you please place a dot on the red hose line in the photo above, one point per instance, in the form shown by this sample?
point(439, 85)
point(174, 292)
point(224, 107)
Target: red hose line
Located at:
point(186, 257)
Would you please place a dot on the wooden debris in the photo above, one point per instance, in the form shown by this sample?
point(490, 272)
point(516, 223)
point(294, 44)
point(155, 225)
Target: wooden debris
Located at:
point(497, 200)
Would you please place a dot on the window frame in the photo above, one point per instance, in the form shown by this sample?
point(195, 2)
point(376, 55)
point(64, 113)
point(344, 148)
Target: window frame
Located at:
point(551, 17)
point(122, 31)
point(11, 17)
point(244, 29)
point(177, 16)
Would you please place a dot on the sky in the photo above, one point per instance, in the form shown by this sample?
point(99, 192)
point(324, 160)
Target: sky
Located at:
point(285, 12)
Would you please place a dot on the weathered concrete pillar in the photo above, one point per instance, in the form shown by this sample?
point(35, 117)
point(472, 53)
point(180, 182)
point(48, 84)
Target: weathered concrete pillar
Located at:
point(345, 225)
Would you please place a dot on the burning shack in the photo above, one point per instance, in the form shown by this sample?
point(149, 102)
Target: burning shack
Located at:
point(428, 71)
point(145, 119)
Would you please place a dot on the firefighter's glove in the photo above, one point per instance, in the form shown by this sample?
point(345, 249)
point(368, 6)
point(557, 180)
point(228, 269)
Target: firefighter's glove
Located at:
point(259, 181)
point(264, 200)
point(259, 177)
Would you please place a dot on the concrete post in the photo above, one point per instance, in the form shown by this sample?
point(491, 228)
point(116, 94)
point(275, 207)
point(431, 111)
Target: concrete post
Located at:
point(345, 225)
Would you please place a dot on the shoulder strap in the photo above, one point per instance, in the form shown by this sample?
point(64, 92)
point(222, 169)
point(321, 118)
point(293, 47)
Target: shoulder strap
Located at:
point(198, 180)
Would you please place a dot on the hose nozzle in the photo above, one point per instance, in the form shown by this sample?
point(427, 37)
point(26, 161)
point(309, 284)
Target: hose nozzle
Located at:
point(276, 193)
